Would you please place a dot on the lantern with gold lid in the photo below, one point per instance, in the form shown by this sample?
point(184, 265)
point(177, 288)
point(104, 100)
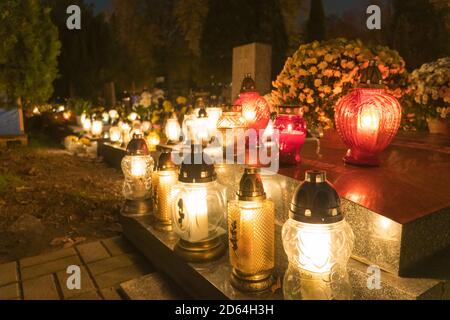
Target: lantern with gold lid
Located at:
point(251, 232)
point(164, 178)
point(318, 242)
point(198, 210)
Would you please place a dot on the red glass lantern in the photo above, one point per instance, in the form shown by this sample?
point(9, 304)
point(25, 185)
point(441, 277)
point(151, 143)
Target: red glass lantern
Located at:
point(292, 134)
point(367, 119)
point(254, 108)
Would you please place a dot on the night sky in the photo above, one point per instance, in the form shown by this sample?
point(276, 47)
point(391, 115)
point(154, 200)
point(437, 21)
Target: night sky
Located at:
point(331, 6)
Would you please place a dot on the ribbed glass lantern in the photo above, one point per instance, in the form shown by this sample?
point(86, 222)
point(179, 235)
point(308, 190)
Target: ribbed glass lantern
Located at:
point(198, 210)
point(318, 242)
point(367, 119)
point(137, 167)
point(251, 233)
point(172, 130)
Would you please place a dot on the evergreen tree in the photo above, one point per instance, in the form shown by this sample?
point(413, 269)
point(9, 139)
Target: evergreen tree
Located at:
point(232, 23)
point(28, 53)
point(419, 31)
point(315, 28)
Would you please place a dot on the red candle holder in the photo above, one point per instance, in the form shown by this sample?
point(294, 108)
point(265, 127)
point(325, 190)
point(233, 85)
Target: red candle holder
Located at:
point(254, 108)
point(367, 119)
point(292, 133)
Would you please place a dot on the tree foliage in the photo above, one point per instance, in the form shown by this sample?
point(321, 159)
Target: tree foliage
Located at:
point(315, 28)
point(420, 31)
point(28, 52)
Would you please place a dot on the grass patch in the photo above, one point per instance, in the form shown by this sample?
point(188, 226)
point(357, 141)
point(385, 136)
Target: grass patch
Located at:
point(8, 181)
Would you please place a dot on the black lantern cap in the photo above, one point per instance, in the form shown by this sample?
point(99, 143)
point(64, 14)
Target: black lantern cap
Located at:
point(316, 201)
point(371, 76)
point(200, 172)
point(248, 84)
point(251, 187)
point(165, 162)
point(202, 113)
point(137, 146)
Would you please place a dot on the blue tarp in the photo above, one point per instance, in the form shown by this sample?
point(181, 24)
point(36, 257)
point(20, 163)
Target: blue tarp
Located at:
point(10, 122)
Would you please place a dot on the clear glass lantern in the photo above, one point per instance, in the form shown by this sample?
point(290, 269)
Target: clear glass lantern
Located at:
point(97, 128)
point(105, 117)
point(214, 114)
point(126, 132)
point(188, 127)
point(229, 125)
point(318, 242)
point(113, 114)
point(251, 233)
point(115, 135)
point(164, 178)
point(153, 140)
point(87, 125)
point(202, 127)
point(198, 210)
point(172, 130)
point(137, 167)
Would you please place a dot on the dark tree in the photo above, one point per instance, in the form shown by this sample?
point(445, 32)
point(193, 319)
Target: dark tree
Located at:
point(231, 23)
point(28, 51)
point(419, 31)
point(315, 27)
point(89, 57)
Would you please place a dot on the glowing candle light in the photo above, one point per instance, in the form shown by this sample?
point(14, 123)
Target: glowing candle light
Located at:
point(172, 130)
point(292, 134)
point(367, 119)
point(251, 227)
point(198, 209)
point(318, 242)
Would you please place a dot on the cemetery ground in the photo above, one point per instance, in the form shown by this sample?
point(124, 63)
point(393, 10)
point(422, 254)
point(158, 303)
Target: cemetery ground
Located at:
point(50, 199)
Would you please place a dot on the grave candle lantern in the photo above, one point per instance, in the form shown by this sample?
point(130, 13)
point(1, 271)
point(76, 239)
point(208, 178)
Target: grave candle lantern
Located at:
point(137, 167)
point(97, 126)
point(251, 231)
point(115, 134)
point(164, 178)
point(113, 114)
point(254, 107)
point(318, 242)
point(87, 125)
point(291, 136)
point(198, 209)
point(172, 130)
point(228, 125)
point(367, 119)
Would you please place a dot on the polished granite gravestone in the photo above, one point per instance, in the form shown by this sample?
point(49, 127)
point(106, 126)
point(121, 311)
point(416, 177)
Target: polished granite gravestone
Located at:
point(399, 211)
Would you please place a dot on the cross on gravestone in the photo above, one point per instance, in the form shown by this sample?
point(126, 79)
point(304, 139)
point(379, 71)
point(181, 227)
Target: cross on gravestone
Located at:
point(256, 59)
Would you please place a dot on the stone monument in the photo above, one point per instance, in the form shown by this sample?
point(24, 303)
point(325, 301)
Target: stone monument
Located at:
point(256, 59)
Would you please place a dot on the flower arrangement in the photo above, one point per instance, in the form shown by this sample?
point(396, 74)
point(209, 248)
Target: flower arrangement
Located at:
point(319, 73)
point(430, 89)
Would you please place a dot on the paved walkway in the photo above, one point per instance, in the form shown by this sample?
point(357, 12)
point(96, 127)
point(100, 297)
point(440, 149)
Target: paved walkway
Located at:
point(104, 266)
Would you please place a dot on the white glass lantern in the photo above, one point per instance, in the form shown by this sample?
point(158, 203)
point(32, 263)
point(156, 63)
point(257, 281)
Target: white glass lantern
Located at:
point(198, 210)
point(97, 128)
point(137, 167)
point(87, 125)
point(113, 114)
point(133, 116)
point(214, 114)
point(188, 128)
point(318, 242)
point(172, 130)
point(202, 128)
point(126, 132)
point(105, 117)
point(115, 135)
point(146, 126)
